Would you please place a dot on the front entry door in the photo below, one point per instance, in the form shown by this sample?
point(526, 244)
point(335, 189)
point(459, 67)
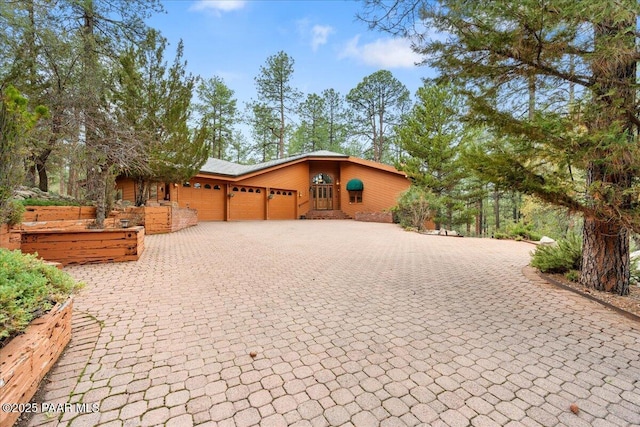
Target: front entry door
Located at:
point(322, 195)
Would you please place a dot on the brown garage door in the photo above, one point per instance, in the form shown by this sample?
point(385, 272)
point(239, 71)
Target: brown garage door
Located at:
point(206, 197)
point(247, 203)
point(282, 204)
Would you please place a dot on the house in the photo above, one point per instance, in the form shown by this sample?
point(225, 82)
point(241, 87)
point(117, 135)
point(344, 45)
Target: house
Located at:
point(317, 184)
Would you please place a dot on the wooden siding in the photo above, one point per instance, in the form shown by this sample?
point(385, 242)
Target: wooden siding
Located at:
point(128, 189)
point(331, 168)
point(283, 204)
point(247, 203)
point(209, 202)
point(381, 189)
point(295, 178)
point(383, 184)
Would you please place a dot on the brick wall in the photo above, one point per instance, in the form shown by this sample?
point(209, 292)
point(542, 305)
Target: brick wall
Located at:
point(385, 217)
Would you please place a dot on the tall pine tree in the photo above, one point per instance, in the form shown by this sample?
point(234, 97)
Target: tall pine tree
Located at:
point(587, 50)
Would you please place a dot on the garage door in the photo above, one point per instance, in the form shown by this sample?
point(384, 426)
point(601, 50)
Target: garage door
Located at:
point(282, 204)
point(247, 203)
point(206, 197)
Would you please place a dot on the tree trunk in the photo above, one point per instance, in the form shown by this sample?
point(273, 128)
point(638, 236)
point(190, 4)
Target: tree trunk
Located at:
point(141, 191)
point(605, 256)
point(479, 217)
point(30, 176)
point(43, 178)
point(99, 196)
point(496, 207)
point(41, 167)
point(605, 253)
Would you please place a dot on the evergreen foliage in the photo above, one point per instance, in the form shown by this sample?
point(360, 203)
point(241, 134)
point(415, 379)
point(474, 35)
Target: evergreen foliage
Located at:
point(28, 289)
point(16, 121)
point(378, 103)
point(431, 135)
point(575, 64)
point(561, 258)
point(415, 207)
point(218, 114)
point(154, 102)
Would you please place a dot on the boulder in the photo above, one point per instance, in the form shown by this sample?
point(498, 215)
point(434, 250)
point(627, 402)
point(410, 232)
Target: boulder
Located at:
point(547, 241)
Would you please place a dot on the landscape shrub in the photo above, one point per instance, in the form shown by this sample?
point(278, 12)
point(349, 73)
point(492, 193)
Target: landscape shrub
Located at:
point(561, 258)
point(28, 289)
point(415, 207)
point(15, 211)
point(524, 231)
point(48, 202)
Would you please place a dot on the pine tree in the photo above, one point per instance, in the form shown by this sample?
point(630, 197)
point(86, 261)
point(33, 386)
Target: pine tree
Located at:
point(154, 102)
point(378, 102)
point(218, 114)
point(583, 50)
point(431, 134)
point(275, 91)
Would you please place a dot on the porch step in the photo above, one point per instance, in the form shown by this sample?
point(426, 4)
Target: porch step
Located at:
point(334, 214)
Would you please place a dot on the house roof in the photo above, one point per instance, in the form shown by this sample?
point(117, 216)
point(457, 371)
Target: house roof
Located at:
point(231, 169)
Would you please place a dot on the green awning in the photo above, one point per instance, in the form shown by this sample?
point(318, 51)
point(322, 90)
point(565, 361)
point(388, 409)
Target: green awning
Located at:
point(355, 185)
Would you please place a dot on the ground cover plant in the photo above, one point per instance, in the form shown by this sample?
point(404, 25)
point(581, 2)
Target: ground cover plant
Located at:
point(29, 288)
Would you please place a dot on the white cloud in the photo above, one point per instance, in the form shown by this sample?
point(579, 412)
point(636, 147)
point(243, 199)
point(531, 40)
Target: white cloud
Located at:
point(385, 53)
point(218, 6)
point(320, 35)
point(316, 36)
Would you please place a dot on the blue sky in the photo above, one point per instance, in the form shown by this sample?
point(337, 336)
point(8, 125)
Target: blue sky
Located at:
point(232, 39)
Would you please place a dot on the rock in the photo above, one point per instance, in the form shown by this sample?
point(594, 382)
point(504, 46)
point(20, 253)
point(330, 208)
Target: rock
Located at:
point(547, 241)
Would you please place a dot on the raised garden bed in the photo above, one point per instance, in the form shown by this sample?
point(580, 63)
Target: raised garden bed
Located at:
point(9, 238)
point(159, 219)
point(85, 246)
point(58, 213)
point(27, 358)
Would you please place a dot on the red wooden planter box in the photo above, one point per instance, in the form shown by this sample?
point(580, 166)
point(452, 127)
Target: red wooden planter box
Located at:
point(85, 246)
point(28, 357)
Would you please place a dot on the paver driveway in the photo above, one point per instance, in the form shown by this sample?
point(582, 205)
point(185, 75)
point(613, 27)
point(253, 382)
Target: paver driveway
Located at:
point(352, 324)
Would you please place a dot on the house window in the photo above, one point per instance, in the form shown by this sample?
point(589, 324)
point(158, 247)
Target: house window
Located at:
point(207, 186)
point(321, 178)
point(355, 188)
point(197, 185)
point(153, 191)
point(355, 196)
point(186, 184)
point(216, 187)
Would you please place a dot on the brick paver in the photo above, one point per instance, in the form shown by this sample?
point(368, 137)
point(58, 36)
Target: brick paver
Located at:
point(348, 323)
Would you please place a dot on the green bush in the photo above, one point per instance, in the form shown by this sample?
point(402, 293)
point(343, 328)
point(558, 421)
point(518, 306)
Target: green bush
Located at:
point(28, 289)
point(572, 275)
point(415, 207)
point(564, 257)
point(45, 202)
point(15, 211)
point(523, 231)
